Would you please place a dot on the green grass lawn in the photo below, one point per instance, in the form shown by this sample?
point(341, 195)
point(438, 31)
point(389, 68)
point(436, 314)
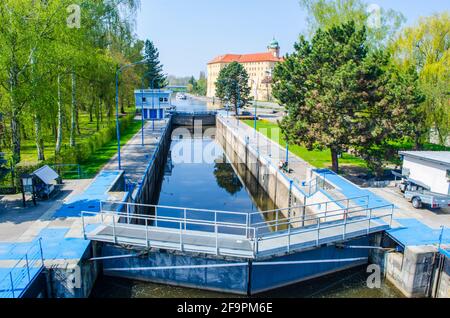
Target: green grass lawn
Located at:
point(317, 158)
point(102, 156)
point(97, 160)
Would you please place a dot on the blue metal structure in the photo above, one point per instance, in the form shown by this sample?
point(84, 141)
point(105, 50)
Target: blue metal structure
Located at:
point(15, 281)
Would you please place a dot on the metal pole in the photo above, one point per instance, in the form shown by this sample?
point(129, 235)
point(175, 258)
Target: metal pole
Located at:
point(146, 234)
point(28, 267)
point(119, 70)
point(40, 249)
point(12, 284)
point(117, 119)
point(318, 232)
point(287, 155)
point(181, 236)
point(114, 228)
point(216, 229)
point(82, 224)
point(142, 111)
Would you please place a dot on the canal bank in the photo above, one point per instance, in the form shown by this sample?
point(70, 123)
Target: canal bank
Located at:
point(306, 253)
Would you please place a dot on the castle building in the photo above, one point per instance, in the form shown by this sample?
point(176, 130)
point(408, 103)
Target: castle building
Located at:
point(259, 67)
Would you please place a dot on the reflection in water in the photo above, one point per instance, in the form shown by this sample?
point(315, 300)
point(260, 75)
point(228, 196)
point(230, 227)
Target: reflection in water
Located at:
point(215, 185)
point(226, 177)
point(349, 283)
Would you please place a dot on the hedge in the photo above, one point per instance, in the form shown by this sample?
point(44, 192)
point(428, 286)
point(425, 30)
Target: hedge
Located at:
point(81, 152)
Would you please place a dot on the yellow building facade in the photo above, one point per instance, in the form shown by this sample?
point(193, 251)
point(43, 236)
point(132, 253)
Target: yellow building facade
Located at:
point(259, 67)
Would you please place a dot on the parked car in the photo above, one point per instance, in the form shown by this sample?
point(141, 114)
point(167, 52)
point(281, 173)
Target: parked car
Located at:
point(419, 195)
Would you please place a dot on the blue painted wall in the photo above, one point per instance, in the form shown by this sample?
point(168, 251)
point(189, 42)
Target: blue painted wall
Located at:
point(229, 279)
point(273, 276)
point(232, 279)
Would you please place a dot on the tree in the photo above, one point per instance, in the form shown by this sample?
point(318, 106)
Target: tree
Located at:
point(154, 71)
point(226, 178)
point(426, 47)
point(382, 24)
point(340, 97)
point(232, 85)
point(51, 73)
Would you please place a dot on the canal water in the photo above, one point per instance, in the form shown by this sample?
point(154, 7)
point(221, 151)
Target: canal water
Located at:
point(198, 175)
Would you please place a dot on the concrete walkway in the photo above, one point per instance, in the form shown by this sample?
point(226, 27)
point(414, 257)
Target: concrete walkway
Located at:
point(135, 156)
point(433, 219)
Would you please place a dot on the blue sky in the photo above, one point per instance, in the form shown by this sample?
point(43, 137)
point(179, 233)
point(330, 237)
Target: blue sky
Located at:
point(189, 33)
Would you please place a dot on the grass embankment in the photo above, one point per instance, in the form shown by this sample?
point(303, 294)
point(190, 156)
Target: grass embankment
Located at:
point(317, 158)
point(94, 148)
point(322, 159)
point(103, 155)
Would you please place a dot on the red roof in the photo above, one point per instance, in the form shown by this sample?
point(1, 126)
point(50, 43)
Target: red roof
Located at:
point(246, 58)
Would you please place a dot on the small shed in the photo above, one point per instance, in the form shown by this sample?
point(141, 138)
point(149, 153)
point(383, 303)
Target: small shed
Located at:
point(430, 168)
point(153, 103)
point(45, 181)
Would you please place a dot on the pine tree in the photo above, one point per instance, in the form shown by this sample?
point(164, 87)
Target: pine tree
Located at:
point(154, 72)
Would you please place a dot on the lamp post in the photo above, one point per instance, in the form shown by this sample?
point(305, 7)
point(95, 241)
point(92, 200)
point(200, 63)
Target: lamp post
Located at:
point(142, 108)
point(119, 70)
point(256, 103)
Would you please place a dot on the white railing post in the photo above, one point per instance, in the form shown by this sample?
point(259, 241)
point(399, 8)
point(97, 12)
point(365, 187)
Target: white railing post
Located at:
point(114, 228)
point(318, 232)
point(392, 215)
point(28, 267)
point(344, 231)
point(181, 236)
point(156, 216)
point(276, 218)
point(146, 234)
point(128, 213)
point(12, 284)
point(256, 242)
point(185, 222)
point(247, 226)
point(82, 224)
point(216, 231)
point(370, 218)
point(289, 236)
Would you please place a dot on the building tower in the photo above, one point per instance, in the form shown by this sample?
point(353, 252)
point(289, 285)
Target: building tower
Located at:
point(274, 48)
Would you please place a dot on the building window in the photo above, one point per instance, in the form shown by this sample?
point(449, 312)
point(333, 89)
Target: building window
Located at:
point(144, 99)
point(161, 99)
point(166, 99)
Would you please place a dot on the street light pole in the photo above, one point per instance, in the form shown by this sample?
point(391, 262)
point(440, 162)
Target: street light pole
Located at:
point(119, 70)
point(256, 103)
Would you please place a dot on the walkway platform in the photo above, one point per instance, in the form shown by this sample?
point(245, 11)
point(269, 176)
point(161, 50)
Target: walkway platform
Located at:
point(228, 235)
point(135, 156)
point(60, 229)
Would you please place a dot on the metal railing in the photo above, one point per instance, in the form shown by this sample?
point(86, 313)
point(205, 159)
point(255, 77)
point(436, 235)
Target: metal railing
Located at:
point(16, 282)
point(194, 113)
point(68, 171)
point(307, 188)
point(375, 218)
point(142, 227)
point(220, 225)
